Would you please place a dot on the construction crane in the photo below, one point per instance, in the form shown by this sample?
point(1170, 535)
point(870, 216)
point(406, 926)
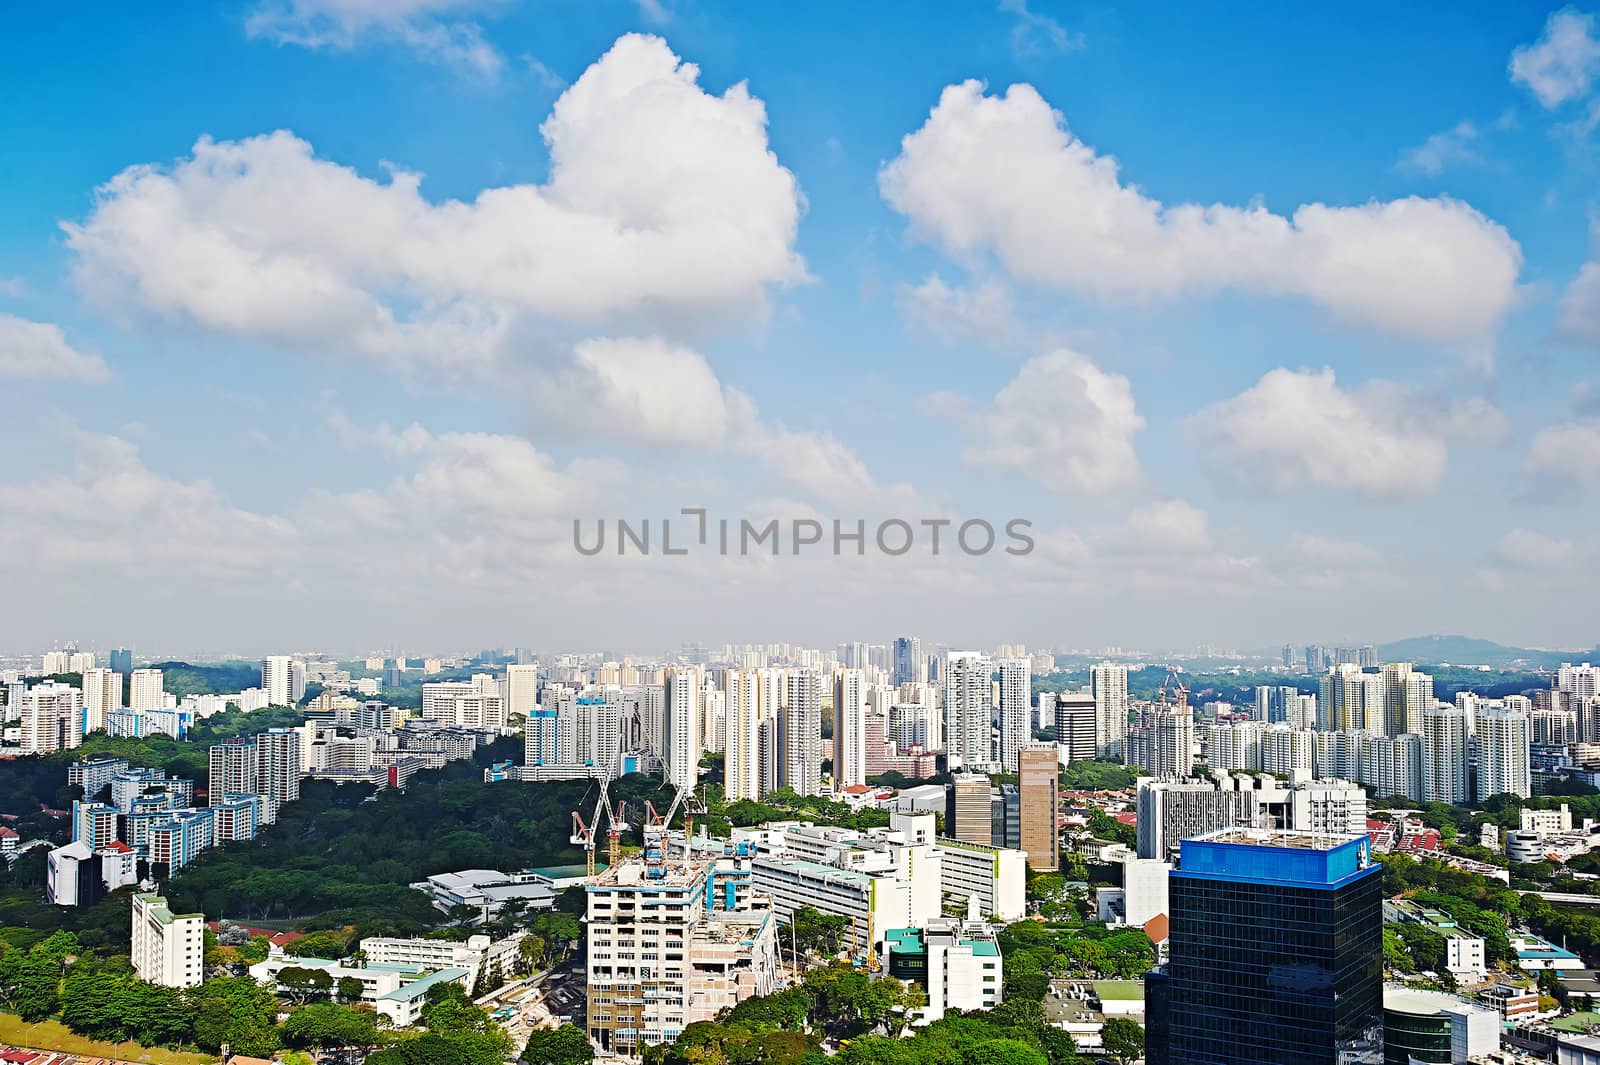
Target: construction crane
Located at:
point(583, 835)
point(1175, 683)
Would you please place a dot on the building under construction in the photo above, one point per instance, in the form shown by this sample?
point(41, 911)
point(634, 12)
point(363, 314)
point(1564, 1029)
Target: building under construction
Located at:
point(671, 943)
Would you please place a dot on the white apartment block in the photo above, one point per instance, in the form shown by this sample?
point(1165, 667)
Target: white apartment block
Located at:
point(145, 691)
point(1108, 683)
point(967, 701)
point(284, 680)
point(1444, 755)
point(52, 718)
point(849, 728)
point(1503, 753)
point(801, 740)
point(168, 948)
point(521, 688)
point(1016, 699)
point(102, 694)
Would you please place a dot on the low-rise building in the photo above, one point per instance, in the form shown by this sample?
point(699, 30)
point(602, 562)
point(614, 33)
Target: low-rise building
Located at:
point(996, 876)
point(477, 955)
point(957, 963)
point(1465, 957)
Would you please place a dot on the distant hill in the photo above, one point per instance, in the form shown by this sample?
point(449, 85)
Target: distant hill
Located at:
point(1465, 650)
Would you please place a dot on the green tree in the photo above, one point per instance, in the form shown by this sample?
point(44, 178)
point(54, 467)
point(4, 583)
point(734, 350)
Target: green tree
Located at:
point(28, 984)
point(566, 1045)
point(324, 1024)
point(303, 984)
point(349, 989)
point(1123, 1039)
point(236, 1011)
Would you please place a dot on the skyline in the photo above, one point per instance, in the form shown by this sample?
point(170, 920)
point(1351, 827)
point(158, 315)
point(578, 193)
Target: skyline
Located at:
point(333, 349)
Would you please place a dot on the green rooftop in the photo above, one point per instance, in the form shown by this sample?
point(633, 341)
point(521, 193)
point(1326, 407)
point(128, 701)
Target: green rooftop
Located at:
point(1119, 990)
point(1576, 1022)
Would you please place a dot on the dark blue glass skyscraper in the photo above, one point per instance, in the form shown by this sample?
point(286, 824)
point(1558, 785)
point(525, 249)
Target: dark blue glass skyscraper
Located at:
point(1275, 953)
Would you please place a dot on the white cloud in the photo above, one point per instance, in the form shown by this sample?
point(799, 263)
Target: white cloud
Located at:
point(664, 208)
point(13, 287)
point(654, 12)
point(1534, 550)
point(1568, 453)
point(424, 26)
point(1004, 174)
point(1168, 527)
point(111, 513)
point(40, 350)
point(1034, 34)
point(981, 312)
point(642, 389)
point(1064, 422)
point(1332, 552)
point(1562, 64)
point(1578, 315)
point(1297, 429)
point(1448, 148)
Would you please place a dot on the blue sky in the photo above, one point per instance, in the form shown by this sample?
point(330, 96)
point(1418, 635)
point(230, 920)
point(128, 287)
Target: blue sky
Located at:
point(264, 394)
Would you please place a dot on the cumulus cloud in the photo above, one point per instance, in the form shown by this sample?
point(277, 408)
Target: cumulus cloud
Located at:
point(1298, 429)
point(1578, 314)
point(953, 314)
point(1003, 174)
point(1534, 550)
point(1564, 62)
point(37, 350)
point(1168, 527)
point(112, 513)
point(427, 27)
point(1064, 422)
point(1568, 453)
point(664, 207)
point(636, 388)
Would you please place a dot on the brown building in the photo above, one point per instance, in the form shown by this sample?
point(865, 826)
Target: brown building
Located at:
point(1039, 796)
point(969, 808)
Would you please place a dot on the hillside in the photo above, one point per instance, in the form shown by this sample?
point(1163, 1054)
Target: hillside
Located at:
point(1466, 650)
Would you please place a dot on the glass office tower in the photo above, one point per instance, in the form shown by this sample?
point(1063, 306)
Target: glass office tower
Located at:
point(1275, 953)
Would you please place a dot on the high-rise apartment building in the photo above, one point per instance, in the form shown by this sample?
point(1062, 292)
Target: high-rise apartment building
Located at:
point(1016, 709)
point(145, 691)
point(1350, 699)
point(800, 732)
point(284, 680)
point(910, 664)
point(1503, 754)
point(102, 694)
point(849, 728)
point(741, 746)
point(682, 726)
point(1108, 683)
point(52, 718)
point(967, 709)
point(521, 688)
point(1444, 755)
point(168, 948)
point(1165, 747)
point(1275, 953)
point(1038, 783)
point(268, 764)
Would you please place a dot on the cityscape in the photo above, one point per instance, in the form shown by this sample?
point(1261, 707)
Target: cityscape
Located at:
point(681, 532)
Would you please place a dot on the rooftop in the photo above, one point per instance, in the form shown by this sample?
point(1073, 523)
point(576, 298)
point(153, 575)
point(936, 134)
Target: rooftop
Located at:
point(1119, 990)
